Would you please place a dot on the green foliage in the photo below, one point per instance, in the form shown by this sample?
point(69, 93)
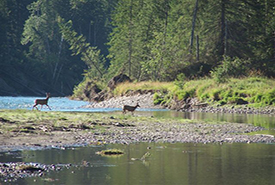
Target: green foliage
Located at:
point(162, 98)
point(180, 80)
point(143, 43)
point(79, 46)
point(148, 40)
point(155, 37)
point(78, 91)
point(158, 99)
point(230, 68)
point(255, 91)
point(143, 86)
point(32, 46)
point(265, 99)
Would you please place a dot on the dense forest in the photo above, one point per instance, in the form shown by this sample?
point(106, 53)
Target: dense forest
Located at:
point(53, 45)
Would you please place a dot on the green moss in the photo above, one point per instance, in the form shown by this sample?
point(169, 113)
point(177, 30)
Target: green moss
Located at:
point(110, 152)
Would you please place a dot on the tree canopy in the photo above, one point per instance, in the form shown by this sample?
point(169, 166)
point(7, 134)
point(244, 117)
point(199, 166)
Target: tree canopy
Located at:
point(46, 45)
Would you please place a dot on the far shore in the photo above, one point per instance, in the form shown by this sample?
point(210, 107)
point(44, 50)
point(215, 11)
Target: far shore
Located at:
point(146, 101)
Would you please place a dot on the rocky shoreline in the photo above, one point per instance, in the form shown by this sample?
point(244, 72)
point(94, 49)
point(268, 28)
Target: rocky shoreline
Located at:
point(144, 100)
point(173, 132)
point(193, 105)
point(117, 130)
point(116, 127)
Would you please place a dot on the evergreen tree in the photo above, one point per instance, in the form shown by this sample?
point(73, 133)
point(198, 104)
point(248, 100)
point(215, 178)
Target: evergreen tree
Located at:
point(47, 48)
point(79, 46)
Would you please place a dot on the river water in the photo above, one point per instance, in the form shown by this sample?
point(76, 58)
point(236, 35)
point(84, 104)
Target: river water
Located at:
point(167, 164)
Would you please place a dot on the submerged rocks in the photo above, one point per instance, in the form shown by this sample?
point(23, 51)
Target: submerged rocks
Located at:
point(15, 170)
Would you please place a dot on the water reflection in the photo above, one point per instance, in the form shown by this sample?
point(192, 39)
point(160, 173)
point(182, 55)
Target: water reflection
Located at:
point(168, 164)
point(263, 120)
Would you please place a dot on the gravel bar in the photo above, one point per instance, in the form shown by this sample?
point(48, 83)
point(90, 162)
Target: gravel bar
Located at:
point(178, 132)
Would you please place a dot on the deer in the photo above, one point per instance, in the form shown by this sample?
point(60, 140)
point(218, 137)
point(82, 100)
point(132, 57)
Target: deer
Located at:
point(42, 102)
point(129, 108)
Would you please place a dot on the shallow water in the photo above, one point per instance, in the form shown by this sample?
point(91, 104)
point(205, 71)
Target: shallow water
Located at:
point(167, 164)
point(56, 103)
point(65, 104)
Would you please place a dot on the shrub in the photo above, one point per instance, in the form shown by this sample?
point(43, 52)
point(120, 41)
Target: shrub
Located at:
point(269, 97)
point(158, 99)
point(230, 67)
point(84, 86)
point(179, 82)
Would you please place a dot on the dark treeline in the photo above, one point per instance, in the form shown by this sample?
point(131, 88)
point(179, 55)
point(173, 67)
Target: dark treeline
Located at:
point(34, 57)
point(47, 45)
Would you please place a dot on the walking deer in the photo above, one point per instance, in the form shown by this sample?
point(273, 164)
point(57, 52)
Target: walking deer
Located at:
point(130, 108)
point(42, 102)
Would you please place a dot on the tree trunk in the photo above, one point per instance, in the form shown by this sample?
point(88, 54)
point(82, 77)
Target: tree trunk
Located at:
point(193, 25)
point(163, 45)
point(225, 39)
point(198, 49)
point(130, 38)
point(222, 39)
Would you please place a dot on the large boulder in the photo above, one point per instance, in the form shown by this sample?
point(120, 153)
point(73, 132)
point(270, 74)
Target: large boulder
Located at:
point(117, 80)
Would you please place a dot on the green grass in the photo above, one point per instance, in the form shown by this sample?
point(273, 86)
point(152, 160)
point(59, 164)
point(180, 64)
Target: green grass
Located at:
point(257, 91)
point(18, 121)
point(143, 86)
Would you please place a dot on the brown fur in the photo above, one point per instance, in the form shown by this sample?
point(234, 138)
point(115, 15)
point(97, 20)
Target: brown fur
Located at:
point(42, 102)
point(130, 108)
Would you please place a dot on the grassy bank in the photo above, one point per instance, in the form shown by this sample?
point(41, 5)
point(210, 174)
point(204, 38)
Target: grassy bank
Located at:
point(25, 121)
point(255, 91)
point(41, 122)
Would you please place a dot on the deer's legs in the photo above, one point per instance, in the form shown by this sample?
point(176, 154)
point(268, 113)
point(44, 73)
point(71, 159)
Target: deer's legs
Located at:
point(34, 106)
point(49, 107)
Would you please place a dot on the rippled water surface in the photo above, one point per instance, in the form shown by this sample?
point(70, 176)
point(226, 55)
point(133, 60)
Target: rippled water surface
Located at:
point(56, 103)
point(165, 163)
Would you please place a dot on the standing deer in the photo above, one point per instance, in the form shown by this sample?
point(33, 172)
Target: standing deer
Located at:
point(42, 102)
point(129, 108)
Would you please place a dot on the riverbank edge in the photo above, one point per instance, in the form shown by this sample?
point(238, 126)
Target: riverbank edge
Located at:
point(248, 95)
point(146, 101)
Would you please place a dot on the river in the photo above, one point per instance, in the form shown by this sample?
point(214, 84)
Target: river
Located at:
point(65, 104)
point(176, 163)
